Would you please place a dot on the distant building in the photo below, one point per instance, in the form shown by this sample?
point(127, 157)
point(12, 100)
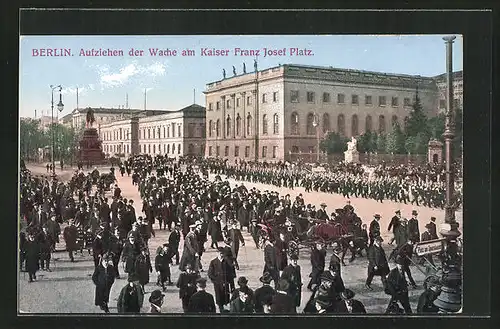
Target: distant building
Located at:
point(101, 115)
point(274, 114)
point(458, 89)
point(171, 133)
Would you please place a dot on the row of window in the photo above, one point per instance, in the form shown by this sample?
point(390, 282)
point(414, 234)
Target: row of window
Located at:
point(215, 128)
point(237, 151)
point(238, 101)
point(118, 134)
point(382, 100)
point(148, 148)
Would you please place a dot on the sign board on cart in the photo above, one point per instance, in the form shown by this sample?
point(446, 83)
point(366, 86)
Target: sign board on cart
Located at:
point(429, 247)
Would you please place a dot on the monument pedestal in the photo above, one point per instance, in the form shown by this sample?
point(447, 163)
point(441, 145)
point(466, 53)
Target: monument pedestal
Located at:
point(90, 151)
point(351, 156)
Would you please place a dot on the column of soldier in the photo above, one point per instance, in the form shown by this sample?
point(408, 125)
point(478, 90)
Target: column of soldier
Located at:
point(188, 196)
point(200, 208)
point(415, 184)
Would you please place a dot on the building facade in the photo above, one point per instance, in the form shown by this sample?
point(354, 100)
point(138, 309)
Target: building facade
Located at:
point(175, 133)
point(281, 112)
point(458, 89)
point(101, 115)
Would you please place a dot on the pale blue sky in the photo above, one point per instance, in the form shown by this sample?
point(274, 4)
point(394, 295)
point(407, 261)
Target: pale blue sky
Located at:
point(104, 81)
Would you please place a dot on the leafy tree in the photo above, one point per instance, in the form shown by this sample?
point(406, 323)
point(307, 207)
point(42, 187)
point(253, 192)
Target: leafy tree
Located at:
point(436, 126)
point(395, 140)
point(373, 142)
point(417, 121)
point(333, 143)
point(410, 144)
point(421, 143)
point(381, 143)
point(31, 138)
point(364, 142)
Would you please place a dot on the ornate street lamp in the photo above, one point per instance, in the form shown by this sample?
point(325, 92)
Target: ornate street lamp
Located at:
point(60, 107)
point(450, 298)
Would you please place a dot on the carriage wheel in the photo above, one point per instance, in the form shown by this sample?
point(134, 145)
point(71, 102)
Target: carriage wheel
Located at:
point(293, 248)
point(431, 277)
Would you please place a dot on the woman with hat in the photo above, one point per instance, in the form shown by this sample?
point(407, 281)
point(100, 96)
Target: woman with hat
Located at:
point(264, 294)
point(349, 305)
point(156, 300)
point(131, 296)
point(103, 278)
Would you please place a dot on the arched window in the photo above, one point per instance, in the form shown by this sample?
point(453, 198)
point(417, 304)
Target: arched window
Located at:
point(326, 123)
point(210, 128)
point(164, 133)
point(381, 124)
point(190, 149)
point(249, 124)
point(168, 148)
point(238, 125)
point(295, 123)
point(228, 125)
point(264, 124)
point(154, 133)
point(394, 120)
point(275, 124)
point(295, 149)
point(354, 125)
point(368, 124)
point(311, 129)
point(341, 124)
point(217, 128)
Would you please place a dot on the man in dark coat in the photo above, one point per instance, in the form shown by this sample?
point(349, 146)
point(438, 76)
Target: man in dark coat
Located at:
point(433, 230)
point(116, 249)
point(219, 271)
point(264, 294)
point(242, 284)
point(70, 235)
point(131, 296)
point(190, 252)
point(336, 260)
point(406, 254)
point(397, 286)
point(349, 305)
point(45, 249)
point(292, 275)
point(187, 285)
point(243, 303)
point(201, 301)
point(318, 256)
point(131, 251)
point(377, 263)
point(32, 256)
point(143, 267)
point(162, 267)
point(103, 278)
point(236, 237)
point(215, 231)
point(280, 247)
point(174, 240)
point(321, 214)
point(282, 303)
point(54, 231)
point(426, 236)
point(156, 300)
point(374, 229)
point(270, 262)
point(413, 230)
point(427, 298)
point(395, 220)
point(244, 215)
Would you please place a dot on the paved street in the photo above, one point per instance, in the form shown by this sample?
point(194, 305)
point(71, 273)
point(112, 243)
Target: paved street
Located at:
point(69, 288)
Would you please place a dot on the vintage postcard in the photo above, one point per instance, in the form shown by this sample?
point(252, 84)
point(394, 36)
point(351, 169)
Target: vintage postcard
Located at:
point(317, 174)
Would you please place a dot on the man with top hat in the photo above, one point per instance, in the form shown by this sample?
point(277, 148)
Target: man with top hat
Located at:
point(291, 273)
point(190, 252)
point(413, 230)
point(70, 235)
point(156, 301)
point(394, 224)
point(318, 257)
point(282, 303)
point(187, 285)
point(131, 296)
point(103, 278)
point(321, 214)
point(432, 229)
point(349, 305)
point(377, 263)
point(174, 240)
point(264, 294)
point(219, 272)
point(201, 301)
point(374, 229)
point(162, 266)
point(397, 286)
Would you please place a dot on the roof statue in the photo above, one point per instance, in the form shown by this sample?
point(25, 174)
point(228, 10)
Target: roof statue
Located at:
point(90, 118)
point(223, 73)
point(234, 70)
point(244, 68)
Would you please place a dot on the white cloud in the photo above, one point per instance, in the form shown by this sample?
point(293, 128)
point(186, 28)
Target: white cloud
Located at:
point(110, 79)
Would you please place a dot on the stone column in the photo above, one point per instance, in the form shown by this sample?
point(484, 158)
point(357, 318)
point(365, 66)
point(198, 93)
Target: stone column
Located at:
point(233, 96)
point(244, 115)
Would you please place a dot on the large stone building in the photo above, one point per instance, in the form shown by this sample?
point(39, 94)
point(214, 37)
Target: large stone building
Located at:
point(173, 133)
point(458, 89)
point(272, 115)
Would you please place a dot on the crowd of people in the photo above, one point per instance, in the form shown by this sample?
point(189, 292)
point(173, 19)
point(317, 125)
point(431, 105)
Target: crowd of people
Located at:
point(193, 209)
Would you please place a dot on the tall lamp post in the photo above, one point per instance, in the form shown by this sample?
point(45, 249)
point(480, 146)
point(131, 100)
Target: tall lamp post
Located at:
point(450, 298)
point(60, 107)
point(316, 128)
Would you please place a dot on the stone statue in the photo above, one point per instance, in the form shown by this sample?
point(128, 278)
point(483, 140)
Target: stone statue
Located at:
point(244, 68)
point(90, 118)
point(223, 73)
point(255, 65)
point(352, 145)
point(234, 70)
